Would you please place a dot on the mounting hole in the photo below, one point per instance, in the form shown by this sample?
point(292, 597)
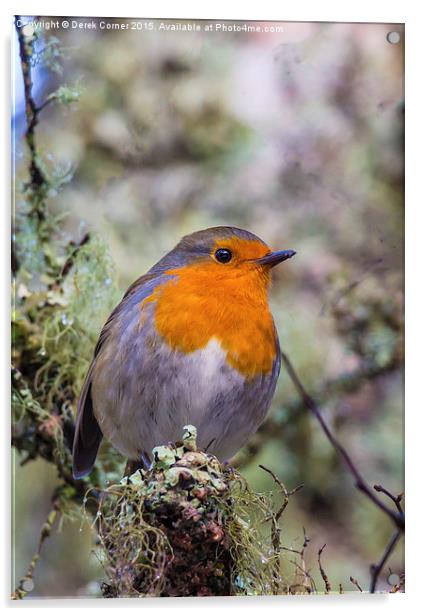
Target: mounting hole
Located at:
point(28, 585)
point(393, 37)
point(28, 30)
point(393, 579)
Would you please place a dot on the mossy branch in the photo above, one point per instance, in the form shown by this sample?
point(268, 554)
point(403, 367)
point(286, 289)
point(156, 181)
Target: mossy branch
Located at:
point(190, 526)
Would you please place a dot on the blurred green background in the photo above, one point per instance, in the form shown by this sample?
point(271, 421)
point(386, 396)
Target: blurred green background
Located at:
point(296, 136)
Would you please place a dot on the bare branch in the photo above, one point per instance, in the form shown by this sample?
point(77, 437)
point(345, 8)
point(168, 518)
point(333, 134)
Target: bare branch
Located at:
point(345, 383)
point(284, 490)
point(360, 483)
point(396, 499)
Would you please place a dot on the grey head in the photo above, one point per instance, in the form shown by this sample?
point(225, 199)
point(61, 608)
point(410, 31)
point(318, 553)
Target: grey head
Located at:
point(199, 245)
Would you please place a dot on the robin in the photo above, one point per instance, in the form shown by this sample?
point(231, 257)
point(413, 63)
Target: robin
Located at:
point(193, 341)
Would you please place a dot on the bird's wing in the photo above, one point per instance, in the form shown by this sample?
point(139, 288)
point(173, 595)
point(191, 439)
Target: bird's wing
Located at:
point(88, 434)
point(277, 362)
point(275, 372)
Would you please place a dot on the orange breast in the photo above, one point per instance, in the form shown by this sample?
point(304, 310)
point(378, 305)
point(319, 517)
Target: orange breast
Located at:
point(206, 301)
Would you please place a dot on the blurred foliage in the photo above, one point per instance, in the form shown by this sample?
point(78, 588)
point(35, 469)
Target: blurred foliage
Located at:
point(296, 136)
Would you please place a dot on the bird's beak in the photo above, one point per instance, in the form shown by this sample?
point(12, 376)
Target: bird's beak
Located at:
point(276, 257)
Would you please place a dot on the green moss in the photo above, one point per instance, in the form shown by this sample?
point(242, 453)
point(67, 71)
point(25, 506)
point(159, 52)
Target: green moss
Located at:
point(188, 526)
point(54, 330)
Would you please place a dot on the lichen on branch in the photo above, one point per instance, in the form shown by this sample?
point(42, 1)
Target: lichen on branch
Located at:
point(188, 526)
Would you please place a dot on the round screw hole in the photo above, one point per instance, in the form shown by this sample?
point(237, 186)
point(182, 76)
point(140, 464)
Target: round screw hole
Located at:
point(28, 585)
point(393, 37)
point(28, 30)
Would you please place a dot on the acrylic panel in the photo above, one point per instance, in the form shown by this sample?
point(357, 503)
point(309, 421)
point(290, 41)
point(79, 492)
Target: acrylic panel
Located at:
point(283, 143)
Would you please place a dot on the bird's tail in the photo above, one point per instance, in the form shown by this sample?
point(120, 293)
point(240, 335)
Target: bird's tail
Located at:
point(88, 435)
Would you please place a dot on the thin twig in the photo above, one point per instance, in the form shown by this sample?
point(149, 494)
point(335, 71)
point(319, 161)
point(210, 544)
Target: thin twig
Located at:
point(306, 540)
point(377, 568)
point(396, 499)
point(308, 580)
point(74, 247)
point(360, 483)
point(282, 547)
point(275, 529)
point(322, 572)
point(356, 583)
point(284, 490)
point(308, 583)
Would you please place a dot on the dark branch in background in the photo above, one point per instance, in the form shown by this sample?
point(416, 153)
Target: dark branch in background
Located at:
point(346, 383)
point(396, 499)
point(360, 483)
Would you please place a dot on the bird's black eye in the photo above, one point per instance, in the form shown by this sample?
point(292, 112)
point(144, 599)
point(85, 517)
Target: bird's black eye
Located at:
point(223, 255)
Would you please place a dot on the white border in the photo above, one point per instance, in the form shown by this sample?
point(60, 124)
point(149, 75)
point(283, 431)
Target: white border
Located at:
point(323, 10)
point(299, 10)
